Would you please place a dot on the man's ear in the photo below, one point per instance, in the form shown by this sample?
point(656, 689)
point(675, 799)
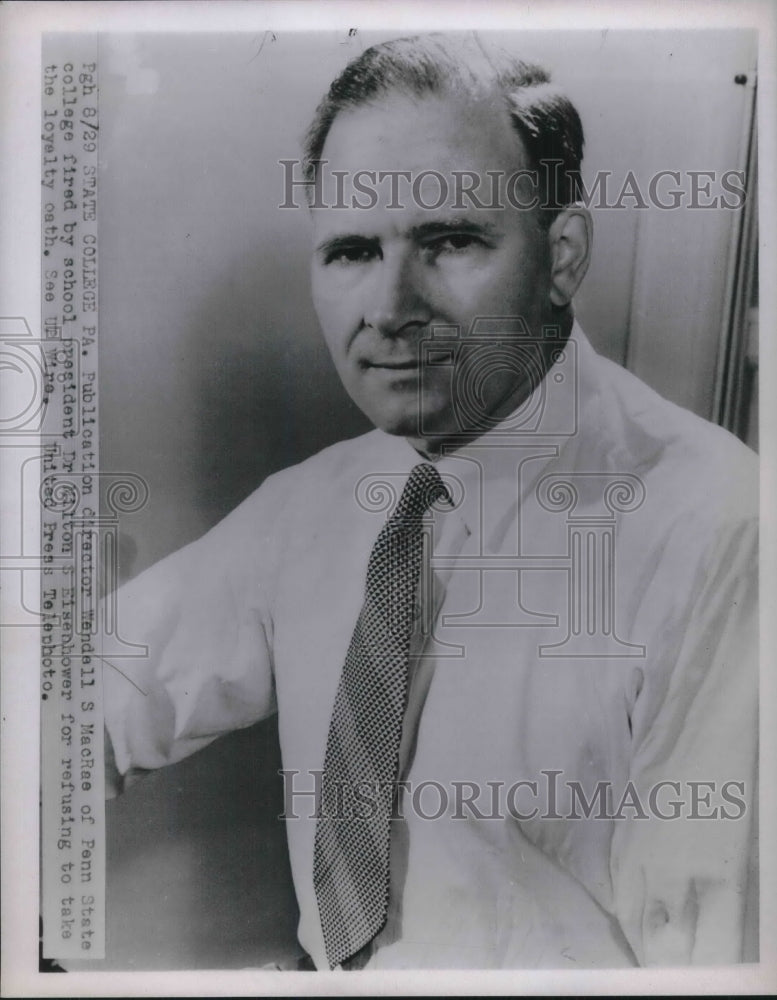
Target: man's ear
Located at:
point(570, 236)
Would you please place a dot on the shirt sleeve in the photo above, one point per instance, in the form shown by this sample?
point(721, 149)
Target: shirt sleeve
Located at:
point(195, 641)
point(681, 882)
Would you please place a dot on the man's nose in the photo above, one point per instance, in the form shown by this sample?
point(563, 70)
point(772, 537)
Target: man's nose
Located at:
point(396, 302)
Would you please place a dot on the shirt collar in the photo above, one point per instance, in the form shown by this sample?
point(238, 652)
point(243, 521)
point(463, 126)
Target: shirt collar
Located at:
point(540, 427)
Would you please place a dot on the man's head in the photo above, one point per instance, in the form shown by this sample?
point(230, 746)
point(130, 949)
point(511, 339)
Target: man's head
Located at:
point(412, 252)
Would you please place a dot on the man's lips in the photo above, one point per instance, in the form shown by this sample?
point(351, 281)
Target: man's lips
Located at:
point(391, 365)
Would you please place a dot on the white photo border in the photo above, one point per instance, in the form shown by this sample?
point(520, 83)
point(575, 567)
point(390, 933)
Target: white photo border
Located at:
point(21, 27)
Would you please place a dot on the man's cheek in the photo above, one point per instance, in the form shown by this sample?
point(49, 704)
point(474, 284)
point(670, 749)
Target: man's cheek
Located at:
point(434, 391)
point(335, 339)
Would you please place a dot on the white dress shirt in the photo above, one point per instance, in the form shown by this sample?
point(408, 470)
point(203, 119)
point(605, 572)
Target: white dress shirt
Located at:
point(588, 616)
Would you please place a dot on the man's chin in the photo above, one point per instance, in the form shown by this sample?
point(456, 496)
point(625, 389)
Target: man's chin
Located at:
point(399, 426)
point(408, 417)
point(428, 434)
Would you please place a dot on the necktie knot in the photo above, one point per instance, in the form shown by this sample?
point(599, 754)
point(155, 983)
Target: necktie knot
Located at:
point(423, 488)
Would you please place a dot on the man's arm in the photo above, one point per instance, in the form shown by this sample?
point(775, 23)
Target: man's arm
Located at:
point(681, 883)
point(201, 624)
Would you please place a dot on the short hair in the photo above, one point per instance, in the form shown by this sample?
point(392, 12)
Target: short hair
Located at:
point(544, 119)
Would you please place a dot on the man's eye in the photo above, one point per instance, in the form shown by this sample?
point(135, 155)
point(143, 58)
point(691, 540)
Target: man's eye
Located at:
point(455, 243)
point(350, 255)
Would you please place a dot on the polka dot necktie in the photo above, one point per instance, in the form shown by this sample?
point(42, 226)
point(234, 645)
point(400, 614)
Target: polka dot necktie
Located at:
point(351, 852)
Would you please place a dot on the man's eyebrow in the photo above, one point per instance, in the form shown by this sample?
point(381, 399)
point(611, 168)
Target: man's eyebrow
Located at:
point(459, 224)
point(424, 230)
point(345, 241)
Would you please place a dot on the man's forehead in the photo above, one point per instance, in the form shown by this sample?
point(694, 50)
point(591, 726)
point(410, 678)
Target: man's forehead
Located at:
point(448, 133)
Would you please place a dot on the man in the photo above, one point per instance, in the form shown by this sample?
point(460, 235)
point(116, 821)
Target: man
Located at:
point(510, 633)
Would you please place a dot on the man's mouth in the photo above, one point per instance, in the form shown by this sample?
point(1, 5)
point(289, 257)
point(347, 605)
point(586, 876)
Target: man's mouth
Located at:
point(391, 365)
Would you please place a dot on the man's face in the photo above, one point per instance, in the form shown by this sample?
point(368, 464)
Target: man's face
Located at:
point(384, 277)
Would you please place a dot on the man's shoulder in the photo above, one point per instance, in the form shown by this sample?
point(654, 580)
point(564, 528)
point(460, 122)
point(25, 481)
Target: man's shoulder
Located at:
point(320, 473)
point(693, 462)
point(698, 462)
point(338, 460)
